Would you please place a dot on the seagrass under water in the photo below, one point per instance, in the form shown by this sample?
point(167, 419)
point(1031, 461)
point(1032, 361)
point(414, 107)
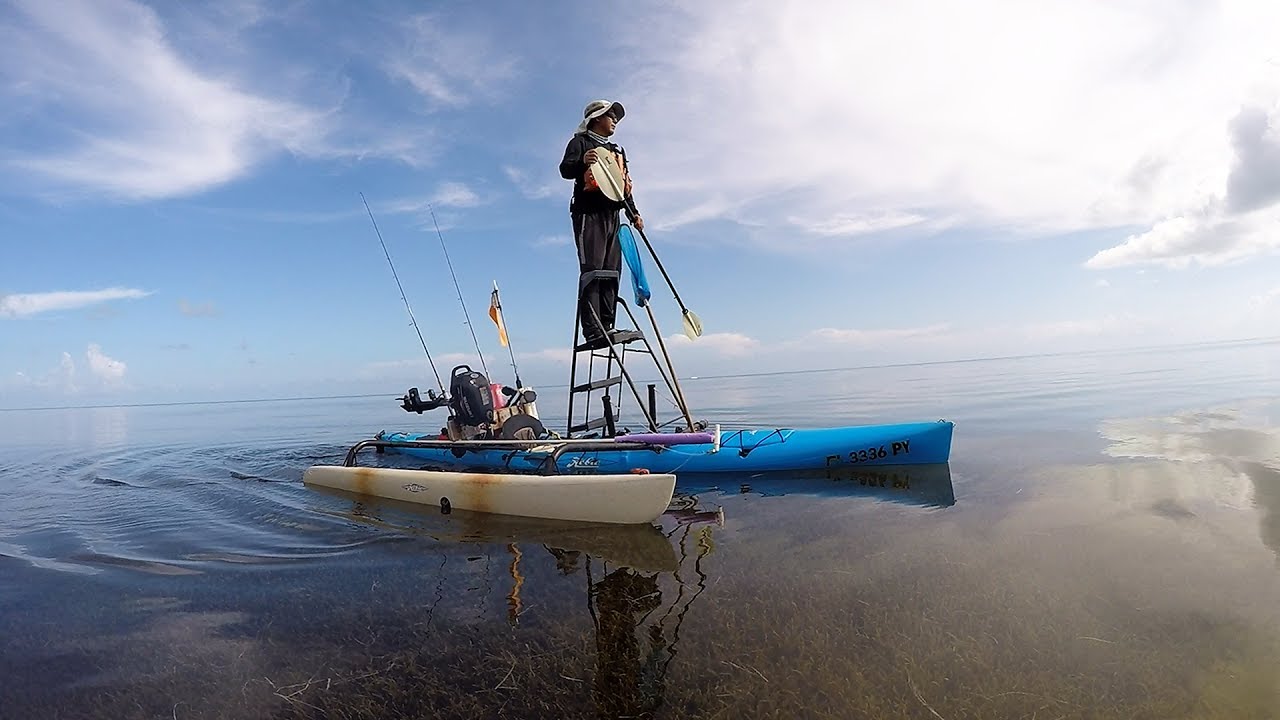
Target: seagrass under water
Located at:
point(1105, 544)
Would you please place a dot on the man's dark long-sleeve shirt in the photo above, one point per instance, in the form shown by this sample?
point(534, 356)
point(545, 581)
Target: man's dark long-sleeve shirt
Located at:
point(573, 168)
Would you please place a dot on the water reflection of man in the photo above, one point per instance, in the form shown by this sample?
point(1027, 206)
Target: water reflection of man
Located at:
point(623, 686)
point(566, 560)
point(1266, 496)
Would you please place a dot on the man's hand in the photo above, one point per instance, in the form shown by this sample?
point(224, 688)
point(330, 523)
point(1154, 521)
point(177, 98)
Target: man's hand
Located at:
point(639, 223)
point(590, 157)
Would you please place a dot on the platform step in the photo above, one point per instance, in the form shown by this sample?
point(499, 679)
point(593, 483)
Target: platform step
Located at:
point(618, 337)
point(590, 425)
point(596, 385)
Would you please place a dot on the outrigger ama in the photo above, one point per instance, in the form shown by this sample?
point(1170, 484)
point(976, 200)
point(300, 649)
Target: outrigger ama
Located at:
point(484, 417)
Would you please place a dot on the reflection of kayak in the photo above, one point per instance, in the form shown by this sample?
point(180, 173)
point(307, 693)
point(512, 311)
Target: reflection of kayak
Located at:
point(928, 485)
point(628, 498)
point(641, 546)
point(738, 451)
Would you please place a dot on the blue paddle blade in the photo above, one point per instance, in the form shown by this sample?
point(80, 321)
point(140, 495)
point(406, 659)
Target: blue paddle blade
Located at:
point(632, 256)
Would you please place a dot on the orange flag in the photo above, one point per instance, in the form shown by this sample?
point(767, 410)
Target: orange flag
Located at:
point(495, 314)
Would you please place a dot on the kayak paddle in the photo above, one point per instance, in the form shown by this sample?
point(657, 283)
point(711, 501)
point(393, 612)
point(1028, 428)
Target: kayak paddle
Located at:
point(608, 165)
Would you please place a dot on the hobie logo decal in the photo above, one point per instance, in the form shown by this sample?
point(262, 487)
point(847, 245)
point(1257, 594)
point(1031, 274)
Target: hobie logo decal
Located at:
point(581, 462)
point(414, 487)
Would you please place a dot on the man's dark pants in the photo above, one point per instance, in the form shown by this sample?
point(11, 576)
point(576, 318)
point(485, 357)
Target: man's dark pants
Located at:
point(596, 235)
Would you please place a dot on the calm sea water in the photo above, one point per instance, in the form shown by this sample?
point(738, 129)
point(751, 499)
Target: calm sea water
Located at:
point(1104, 544)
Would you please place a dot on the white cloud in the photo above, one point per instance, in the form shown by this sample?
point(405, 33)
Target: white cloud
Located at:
point(1209, 238)
point(455, 194)
point(1255, 180)
point(65, 376)
point(557, 356)
point(450, 66)
point(108, 371)
point(874, 337)
point(550, 241)
point(853, 117)
point(727, 344)
point(1241, 220)
point(1121, 325)
point(23, 305)
point(445, 195)
point(858, 223)
point(126, 114)
point(535, 189)
point(1266, 299)
point(105, 373)
point(415, 367)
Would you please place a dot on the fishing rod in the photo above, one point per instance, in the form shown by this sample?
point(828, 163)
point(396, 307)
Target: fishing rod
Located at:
point(402, 295)
point(459, 290)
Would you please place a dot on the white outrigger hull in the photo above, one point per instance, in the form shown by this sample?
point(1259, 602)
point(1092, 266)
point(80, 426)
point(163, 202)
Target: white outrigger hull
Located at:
point(624, 499)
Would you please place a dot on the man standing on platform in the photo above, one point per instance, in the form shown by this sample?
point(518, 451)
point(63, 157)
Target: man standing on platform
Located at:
point(595, 217)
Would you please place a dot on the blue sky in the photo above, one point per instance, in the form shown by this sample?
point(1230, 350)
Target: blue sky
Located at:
point(829, 184)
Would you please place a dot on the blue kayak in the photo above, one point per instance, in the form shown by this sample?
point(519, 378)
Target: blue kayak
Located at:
point(760, 450)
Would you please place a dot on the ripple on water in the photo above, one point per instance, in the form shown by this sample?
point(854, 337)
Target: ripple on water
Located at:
point(168, 510)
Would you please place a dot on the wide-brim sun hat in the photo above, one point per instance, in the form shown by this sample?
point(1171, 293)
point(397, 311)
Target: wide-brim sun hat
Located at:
point(596, 108)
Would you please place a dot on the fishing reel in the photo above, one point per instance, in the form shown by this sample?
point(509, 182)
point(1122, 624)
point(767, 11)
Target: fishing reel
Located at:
point(413, 402)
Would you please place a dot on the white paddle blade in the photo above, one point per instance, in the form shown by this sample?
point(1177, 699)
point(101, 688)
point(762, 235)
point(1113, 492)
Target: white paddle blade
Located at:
point(692, 325)
point(607, 172)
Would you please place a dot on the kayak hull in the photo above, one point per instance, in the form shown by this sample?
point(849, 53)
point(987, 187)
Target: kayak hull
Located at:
point(760, 450)
point(622, 499)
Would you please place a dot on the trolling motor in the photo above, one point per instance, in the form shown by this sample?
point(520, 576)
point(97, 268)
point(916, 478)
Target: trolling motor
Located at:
point(471, 397)
point(413, 402)
point(476, 410)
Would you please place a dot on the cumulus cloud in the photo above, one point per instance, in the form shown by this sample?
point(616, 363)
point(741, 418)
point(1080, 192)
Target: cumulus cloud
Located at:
point(107, 370)
point(1207, 239)
point(1241, 220)
point(65, 376)
point(1255, 180)
point(124, 113)
point(104, 373)
point(26, 304)
point(845, 118)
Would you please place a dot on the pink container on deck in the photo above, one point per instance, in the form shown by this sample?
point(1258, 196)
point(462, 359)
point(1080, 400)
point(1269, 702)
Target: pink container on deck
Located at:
point(499, 400)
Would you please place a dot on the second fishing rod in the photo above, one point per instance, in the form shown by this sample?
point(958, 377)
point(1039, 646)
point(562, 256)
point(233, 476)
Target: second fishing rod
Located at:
point(457, 288)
